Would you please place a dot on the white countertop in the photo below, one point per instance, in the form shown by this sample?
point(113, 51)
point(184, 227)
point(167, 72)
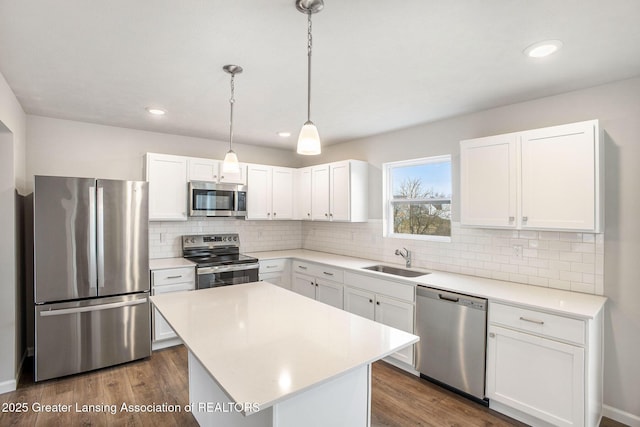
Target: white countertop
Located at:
point(166, 263)
point(573, 304)
point(263, 344)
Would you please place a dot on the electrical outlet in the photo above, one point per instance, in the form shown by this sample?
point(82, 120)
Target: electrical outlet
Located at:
point(517, 251)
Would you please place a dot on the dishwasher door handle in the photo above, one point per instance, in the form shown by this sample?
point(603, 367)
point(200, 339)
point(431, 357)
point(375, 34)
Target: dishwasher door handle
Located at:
point(447, 298)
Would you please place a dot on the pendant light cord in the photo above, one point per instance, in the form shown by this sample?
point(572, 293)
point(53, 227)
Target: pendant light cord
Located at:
point(231, 102)
point(309, 44)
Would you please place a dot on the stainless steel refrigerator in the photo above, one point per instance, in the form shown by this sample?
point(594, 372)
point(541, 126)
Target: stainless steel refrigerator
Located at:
point(91, 289)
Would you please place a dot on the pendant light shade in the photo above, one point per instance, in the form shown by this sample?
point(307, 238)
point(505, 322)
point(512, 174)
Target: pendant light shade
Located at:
point(230, 164)
point(309, 139)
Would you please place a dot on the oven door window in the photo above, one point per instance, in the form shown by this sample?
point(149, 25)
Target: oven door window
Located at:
point(227, 278)
point(213, 200)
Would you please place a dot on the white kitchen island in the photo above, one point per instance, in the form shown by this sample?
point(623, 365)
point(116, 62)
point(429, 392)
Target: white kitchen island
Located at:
point(260, 355)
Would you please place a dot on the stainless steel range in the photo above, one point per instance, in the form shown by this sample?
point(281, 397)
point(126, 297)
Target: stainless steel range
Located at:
point(219, 261)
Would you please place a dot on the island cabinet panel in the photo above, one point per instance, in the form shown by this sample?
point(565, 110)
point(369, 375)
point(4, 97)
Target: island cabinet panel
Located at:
point(167, 176)
point(544, 367)
point(542, 179)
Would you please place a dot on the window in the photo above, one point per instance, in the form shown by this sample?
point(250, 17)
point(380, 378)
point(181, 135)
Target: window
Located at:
point(417, 198)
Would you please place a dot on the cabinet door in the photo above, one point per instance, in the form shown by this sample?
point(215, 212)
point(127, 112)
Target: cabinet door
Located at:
point(538, 376)
point(234, 177)
point(259, 193)
point(320, 193)
point(488, 186)
point(167, 176)
point(282, 193)
point(339, 194)
point(399, 315)
point(161, 329)
point(303, 194)
point(203, 170)
point(559, 177)
point(360, 302)
point(329, 292)
point(304, 285)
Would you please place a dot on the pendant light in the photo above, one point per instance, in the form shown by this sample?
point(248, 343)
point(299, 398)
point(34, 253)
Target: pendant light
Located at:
point(230, 164)
point(309, 139)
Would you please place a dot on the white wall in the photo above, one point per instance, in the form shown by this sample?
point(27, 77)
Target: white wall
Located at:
point(617, 105)
point(12, 177)
point(70, 148)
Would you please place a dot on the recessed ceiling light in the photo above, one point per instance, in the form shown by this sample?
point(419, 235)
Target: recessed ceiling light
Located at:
point(284, 134)
point(156, 111)
point(543, 48)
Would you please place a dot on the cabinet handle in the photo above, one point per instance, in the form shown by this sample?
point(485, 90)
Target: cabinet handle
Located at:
point(274, 214)
point(525, 218)
point(302, 267)
point(327, 273)
point(331, 215)
point(215, 176)
point(268, 213)
point(370, 300)
point(174, 277)
point(316, 285)
point(271, 266)
point(377, 302)
point(492, 335)
point(326, 214)
point(538, 322)
point(309, 214)
point(512, 218)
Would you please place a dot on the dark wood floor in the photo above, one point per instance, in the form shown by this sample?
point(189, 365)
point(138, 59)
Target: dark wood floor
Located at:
point(398, 398)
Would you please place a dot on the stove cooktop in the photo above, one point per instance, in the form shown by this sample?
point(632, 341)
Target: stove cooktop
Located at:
point(225, 259)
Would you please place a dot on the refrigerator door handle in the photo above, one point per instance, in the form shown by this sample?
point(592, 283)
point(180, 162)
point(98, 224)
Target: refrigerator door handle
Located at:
point(100, 235)
point(93, 280)
point(85, 309)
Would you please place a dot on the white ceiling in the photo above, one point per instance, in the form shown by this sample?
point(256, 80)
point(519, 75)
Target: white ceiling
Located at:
point(378, 65)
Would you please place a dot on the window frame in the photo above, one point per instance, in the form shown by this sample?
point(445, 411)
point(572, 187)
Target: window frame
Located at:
point(388, 201)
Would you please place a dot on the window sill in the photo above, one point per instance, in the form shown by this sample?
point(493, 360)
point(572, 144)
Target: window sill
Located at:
point(444, 239)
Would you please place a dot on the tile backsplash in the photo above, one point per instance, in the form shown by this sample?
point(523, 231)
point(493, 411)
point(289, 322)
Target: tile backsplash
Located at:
point(165, 237)
point(561, 260)
point(570, 261)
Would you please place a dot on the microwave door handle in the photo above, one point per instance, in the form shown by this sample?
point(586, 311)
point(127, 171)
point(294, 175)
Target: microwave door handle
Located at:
point(236, 203)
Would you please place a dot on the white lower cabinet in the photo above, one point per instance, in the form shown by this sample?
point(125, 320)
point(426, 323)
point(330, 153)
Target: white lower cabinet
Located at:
point(162, 282)
point(326, 291)
point(544, 368)
point(276, 271)
point(385, 301)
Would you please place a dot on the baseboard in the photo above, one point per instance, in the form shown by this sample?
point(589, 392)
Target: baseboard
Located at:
point(621, 416)
point(7, 386)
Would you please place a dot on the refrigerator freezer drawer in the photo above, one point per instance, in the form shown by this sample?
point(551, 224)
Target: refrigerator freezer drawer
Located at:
point(84, 335)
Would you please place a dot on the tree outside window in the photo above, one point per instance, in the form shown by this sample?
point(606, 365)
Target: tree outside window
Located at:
point(418, 197)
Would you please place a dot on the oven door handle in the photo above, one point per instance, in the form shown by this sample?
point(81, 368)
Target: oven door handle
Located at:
point(226, 268)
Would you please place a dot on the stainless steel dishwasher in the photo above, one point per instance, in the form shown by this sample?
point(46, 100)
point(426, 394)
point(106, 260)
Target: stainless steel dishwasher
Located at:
point(452, 328)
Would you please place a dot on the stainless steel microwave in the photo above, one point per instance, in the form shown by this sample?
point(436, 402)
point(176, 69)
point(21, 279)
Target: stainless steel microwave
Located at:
point(211, 199)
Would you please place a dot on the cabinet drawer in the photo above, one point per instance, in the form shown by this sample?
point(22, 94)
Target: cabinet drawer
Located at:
point(173, 275)
point(389, 288)
point(546, 324)
point(319, 270)
point(272, 265)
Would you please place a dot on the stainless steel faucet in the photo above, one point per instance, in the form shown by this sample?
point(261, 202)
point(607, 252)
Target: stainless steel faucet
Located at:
point(406, 256)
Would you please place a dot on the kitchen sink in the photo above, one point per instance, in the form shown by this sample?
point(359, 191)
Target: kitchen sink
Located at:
point(395, 271)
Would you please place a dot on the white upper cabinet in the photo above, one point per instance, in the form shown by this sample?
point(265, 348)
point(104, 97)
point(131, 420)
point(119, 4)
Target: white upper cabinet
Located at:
point(167, 176)
point(549, 178)
point(303, 194)
point(488, 181)
point(339, 191)
point(211, 171)
point(270, 192)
